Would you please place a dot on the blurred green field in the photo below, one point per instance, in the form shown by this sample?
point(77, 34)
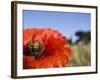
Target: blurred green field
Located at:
point(81, 55)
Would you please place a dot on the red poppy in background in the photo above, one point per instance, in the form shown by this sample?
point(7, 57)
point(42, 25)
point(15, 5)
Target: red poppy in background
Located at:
point(44, 48)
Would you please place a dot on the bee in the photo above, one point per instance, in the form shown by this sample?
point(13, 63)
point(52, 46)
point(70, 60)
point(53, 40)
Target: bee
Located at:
point(35, 48)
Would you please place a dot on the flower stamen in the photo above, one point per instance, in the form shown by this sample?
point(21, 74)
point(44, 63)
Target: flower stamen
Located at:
point(35, 48)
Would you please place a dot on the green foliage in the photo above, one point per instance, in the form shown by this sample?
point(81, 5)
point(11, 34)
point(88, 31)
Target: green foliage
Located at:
point(80, 55)
point(83, 36)
point(70, 41)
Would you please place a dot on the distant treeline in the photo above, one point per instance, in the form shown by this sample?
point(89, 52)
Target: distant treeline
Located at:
point(82, 37)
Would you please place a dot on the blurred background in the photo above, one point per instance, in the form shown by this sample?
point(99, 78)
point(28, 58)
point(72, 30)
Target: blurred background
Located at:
point(81, 53)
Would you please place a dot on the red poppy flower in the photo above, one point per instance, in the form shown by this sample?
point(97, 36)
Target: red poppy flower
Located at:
point(44, 48)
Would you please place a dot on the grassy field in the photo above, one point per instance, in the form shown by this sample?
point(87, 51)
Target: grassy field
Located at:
point(81, 55)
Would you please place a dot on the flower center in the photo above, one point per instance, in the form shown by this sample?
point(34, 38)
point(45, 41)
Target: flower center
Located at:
point(35, 48)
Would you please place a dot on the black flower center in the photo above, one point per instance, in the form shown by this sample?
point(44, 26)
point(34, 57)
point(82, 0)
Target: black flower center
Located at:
point(35, 48)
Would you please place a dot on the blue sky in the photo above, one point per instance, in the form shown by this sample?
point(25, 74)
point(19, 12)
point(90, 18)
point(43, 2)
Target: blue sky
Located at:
point(66, 23)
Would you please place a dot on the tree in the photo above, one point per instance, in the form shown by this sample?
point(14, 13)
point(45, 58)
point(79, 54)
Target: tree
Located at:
point(70, 41)
point(83, 36)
